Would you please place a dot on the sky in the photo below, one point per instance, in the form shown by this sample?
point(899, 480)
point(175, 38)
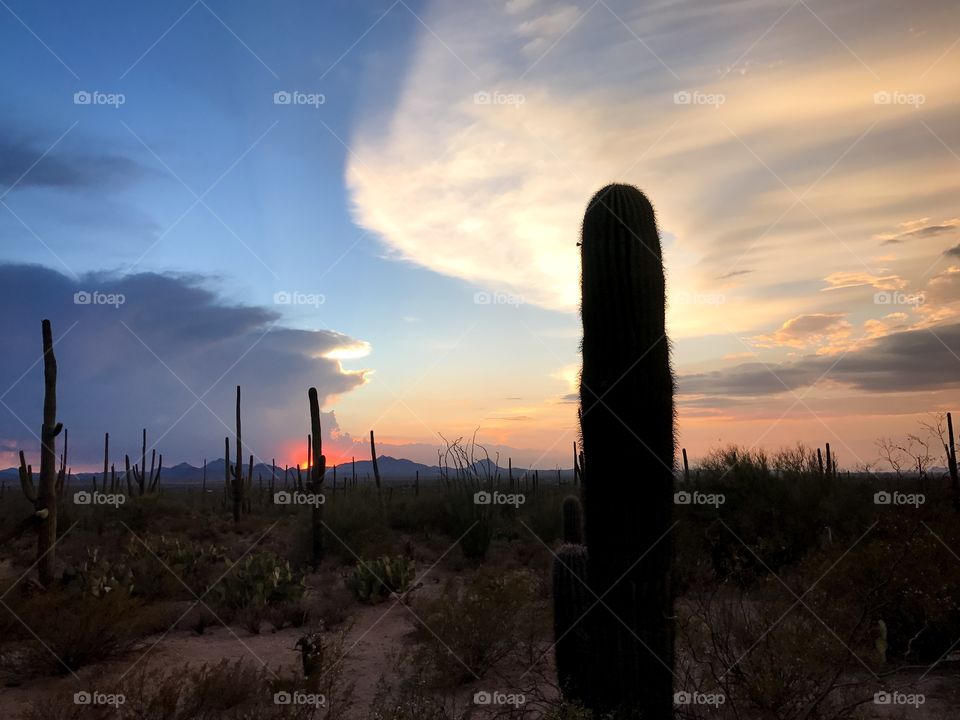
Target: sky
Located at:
point(383, 200)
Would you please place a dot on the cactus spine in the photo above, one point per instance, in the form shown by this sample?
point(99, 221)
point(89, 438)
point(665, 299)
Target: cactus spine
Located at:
point(627, 424)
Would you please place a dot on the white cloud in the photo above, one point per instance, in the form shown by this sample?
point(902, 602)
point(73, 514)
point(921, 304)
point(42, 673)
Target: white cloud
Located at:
point(493, 193)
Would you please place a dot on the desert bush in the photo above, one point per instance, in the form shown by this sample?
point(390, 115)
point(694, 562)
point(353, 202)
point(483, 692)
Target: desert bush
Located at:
point(168, 568)
point(98, 576)
point(906, 574)
point(472, 525)
point(749, 535)
point(70, 628)
point(373, 581)
point(229, 690)
point(356, 528)
point(761, 654)
point(258, 581)
point(478, 620)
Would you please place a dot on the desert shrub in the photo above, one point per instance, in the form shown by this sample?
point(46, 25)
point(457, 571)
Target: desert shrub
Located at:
point(473, 525)
point(258, 581)
point(478, 620)
point(411, 698)
point(749, 535)
point(148, 512)
point(169, 568)
point(373, 581)
point(762, 654)
point(97, 576)
point(70, 628)
point(906, 573)
point(356, 528)
point(235, 690)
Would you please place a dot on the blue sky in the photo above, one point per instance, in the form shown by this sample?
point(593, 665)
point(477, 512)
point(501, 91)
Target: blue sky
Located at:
point(433, 201)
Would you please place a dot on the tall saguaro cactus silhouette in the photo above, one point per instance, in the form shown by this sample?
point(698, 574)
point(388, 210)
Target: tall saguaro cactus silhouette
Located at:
point(45, 494)
point(315, 477)
point(626, 396)
point(236, 484)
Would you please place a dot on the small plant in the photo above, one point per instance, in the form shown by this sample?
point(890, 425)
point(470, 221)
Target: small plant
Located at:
point(373, 581)
point(479, 619)
point(258, 581)
point(97, 576)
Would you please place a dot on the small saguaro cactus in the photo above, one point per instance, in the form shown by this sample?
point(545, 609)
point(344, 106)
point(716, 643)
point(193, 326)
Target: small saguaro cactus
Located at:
point(627, 425)
point(571, 601)
point(572, 520)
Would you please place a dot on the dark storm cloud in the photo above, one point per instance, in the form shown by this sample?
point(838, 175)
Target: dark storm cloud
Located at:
point(23, 164)
point(910, 361)
point(145, 361)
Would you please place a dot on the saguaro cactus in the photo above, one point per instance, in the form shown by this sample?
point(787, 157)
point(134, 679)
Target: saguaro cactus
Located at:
point(317, 472)
point(236, 484)
point(627, 423)
point(45, 495)
point(146, 482)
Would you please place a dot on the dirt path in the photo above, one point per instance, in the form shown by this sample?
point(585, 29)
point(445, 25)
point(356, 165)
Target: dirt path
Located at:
point(375, 634)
